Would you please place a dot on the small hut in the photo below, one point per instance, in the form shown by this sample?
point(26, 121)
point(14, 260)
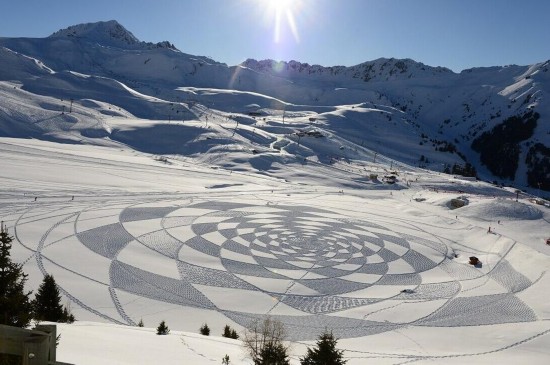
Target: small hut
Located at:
point(27, 347)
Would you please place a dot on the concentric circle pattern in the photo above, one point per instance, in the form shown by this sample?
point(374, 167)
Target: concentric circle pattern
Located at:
point(309, 267)
point(326, 254)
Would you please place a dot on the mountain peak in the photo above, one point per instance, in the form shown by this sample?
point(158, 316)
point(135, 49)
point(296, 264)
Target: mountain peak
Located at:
point(110, 32)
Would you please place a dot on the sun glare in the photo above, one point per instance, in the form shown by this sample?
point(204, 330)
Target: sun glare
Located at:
point(279, 4)
point(282, 14)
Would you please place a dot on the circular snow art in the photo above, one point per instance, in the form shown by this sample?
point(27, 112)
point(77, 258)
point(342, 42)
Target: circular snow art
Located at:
point(310, 268)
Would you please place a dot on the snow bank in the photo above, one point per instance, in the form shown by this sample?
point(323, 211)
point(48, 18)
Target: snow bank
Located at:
point(501, 209)
point(96, 343)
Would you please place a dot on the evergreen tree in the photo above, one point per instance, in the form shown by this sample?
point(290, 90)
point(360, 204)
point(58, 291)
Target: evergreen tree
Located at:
point(229, 332)
point(15, 305)
point(205, 330)
point(273, 354)
point(47, 302)
point(325, 353)
point(226, 331)
point(163, 329)
point(68, 317)
point(140, 324)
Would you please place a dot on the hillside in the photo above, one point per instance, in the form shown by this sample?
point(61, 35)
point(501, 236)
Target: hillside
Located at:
point(130, 236)
point(389, 106)
point(157, 185)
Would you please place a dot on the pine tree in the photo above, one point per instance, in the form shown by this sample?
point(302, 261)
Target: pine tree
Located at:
point(68, 317)
point(325, 353)
point(47, 303)
point(205, 330)
point(140, 324)
point(226, 331)
point(15, 305)
point(163, 329)
point(229, 332)
point(273, 354)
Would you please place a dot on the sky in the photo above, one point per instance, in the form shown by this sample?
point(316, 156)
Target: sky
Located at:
point(457, 34)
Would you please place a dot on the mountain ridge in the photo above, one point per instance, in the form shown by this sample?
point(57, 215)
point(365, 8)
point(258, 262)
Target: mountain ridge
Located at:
point(394, 69)
point(108, 33)
point(435, 106)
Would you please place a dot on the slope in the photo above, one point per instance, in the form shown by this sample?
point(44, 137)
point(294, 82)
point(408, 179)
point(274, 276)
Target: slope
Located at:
point(432, 109)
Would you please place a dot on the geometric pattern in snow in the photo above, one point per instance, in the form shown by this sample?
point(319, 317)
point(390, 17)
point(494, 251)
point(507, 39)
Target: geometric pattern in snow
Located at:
point(300, 243)
point(218, 278)
point(310, 326)
point(485, 310)
point(294, 258)
point(140, 214)
point(323, 304)
point(107, 240)
point(155, 286)
point(509, 278)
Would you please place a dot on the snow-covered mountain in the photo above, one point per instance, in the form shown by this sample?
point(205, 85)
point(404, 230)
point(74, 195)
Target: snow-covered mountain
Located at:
point(382, 69)
point(491, 118)
point(102, 32)
point(161, 186)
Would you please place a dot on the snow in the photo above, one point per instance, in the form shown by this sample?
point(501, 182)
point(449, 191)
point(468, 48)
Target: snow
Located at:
point(146, 209)
point(111, 342)
point(503, 209)
point(174, 204)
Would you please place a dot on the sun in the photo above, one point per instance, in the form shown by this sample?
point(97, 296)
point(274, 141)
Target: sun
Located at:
point(282, 13)
point(282, 5)
point(279, 5)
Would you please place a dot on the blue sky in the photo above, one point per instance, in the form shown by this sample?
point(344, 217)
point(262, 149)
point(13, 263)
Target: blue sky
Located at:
point(457, 34)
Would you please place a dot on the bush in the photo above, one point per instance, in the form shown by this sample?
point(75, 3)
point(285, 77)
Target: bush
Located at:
point(205, 330)
point(163, 329)
point(264, 342)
